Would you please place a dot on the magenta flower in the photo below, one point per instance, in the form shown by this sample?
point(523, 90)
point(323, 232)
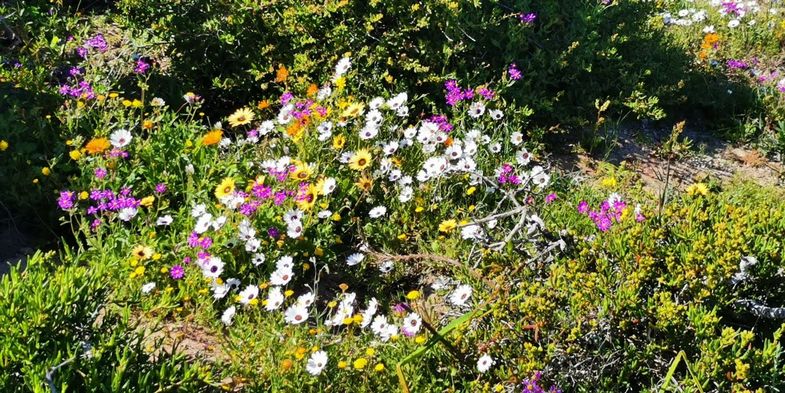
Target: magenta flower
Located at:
point(527, 18)
point(160, 188)
point(550, 198)
point(66, 200)
point(100, 173)
point(177, 272)
point(583, 207)
point(142, 66)
point(515, 73)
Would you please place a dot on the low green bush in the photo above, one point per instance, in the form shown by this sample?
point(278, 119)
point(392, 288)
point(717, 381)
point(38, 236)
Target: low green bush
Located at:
point(59, 330)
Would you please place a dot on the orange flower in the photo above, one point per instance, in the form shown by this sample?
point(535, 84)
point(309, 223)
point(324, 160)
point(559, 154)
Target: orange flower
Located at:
point(212, 137)
point(281, 74)
point(97, 145)
point(263, 105)
point(312, 90)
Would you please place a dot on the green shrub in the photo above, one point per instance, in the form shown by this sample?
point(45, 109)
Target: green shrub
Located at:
point(60, 329)
point(572, 53)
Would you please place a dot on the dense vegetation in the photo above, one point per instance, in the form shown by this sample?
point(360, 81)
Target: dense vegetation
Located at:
point(355, 196)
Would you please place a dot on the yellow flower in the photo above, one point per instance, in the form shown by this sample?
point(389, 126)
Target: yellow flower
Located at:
point(413, 295)
point(147, 201)
point(360, 363)
point(608, 181)
point(338, 141)
point(302, 172)
point(353, 110)
point(447, 226)
point(83, 195)
point(342, 364)
point(364, 183)
point(46, 171)
point(147, 125)
point(75, 155)
point(335, 217)
point(225, 188)
point(142, 252)
point(370, 352)
point(471, 190)
point(308, 199)
point(97, 145)
point(379, 367)
point(139, 270)
point(698, 189)
point(137, 103)
point(420, 340)
point(340, 83)
point(360, 160)
point(241, 117)
point(3, 145)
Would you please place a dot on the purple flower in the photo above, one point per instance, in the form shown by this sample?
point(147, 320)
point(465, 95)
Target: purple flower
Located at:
point(488, 94)
point(160, 188)
point(527, 18)
point(66, 200)
point(286, 97)
point(177, 272)
point(273, 232)
point(95, 224)
point(82, 52)
point(550, 198)
point(515, 73)
point(734, 64)
point(583, 207)
point(97, 42)
point(399, 308)
point(142, 66)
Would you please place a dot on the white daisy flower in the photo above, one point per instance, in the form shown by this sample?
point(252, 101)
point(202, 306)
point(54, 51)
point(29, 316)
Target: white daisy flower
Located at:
point(476, 109)
point(397, 102)
point(342, 67)
point(252, 245)
point(120, 138)
point(516, 138)
point(275, 299)
point(484, 363)
point(496, 114)
point(250, 292)
point(286, 262)
point(296, 314)
point(316, 363)
point(213, 267)
point(412, 324)
point(328, 186)
point(281, 277)
point(324, 92)
point(147, 288)
point(163, 221)
point(127, 214)
point(461, 295)
point(406, 194)
point(258, 259)
point(306, 299)
point(227, 315)
point(369, 312)
point(355, 259)
point(377, 212)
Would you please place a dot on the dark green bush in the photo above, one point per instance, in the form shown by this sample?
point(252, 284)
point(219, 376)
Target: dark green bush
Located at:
point(573, 53)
